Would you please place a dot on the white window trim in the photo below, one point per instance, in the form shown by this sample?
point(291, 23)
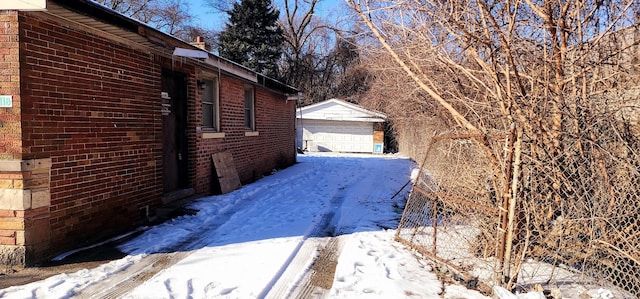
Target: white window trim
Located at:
point(253, 107)
point(213, 135)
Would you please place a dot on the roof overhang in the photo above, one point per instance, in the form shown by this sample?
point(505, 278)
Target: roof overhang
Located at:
point(24, 5)
point(357, 119)
point(100, 20)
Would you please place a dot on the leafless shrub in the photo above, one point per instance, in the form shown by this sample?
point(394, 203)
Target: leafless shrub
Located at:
point(561, 79)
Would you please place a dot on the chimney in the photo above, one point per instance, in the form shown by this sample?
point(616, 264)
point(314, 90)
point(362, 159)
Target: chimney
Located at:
point(200, 43)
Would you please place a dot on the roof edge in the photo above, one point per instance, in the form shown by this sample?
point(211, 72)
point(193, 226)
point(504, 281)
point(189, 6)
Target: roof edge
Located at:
point(109, 16)
point(345, 103)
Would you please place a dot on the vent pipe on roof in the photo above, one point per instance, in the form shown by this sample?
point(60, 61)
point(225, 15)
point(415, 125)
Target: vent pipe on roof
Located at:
point(200, 43)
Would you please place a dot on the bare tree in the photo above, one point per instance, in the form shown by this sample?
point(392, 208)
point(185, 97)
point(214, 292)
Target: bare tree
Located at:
point(170, 16)
point(499, 48)
point(565, 73)
point(307, 47)
point(301, 26)
point(130, 8)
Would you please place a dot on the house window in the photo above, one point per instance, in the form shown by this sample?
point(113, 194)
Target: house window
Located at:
point(249, 108)
point(210, 104)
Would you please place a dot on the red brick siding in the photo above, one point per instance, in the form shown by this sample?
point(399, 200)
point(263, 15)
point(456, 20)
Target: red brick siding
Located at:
point(275, 121)
point(10, 135)
point(254, 156)
point(10, 129)
point(90, 104)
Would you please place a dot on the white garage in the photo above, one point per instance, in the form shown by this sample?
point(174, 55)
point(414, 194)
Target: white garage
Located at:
point(339, 126)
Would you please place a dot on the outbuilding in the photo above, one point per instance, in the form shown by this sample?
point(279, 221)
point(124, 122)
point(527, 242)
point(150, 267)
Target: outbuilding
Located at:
point(103, 119)
point(339, 126)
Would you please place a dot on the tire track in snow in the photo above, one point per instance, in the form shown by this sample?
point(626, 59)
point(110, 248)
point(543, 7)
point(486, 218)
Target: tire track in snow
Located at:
point(147, 267)
point(304, 267)
point(362, 193)
point(317, 282)
point(122, 282)
point(127, 280)
point(293, 276)
point(304, 254)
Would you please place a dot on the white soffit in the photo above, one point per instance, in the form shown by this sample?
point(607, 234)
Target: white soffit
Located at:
point(23, 5)
point(228, 67)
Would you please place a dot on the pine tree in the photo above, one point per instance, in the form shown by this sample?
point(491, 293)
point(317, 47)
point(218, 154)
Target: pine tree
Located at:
point(252, 36)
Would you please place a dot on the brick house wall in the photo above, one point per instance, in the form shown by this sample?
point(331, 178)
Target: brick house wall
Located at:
point(24, 183)
point(275, 121)
point(81, 148)
point(254, 156)
point(10, 136)
point(88, 105)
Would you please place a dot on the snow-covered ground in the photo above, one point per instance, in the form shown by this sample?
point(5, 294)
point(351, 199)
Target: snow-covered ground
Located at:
point(273, 239)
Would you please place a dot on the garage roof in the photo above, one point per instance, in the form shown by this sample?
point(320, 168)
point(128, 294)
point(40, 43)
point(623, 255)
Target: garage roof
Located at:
point(338, 110)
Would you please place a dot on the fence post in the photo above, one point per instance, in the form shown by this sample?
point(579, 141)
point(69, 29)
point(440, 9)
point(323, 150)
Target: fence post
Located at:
point(512, 211)
point(504, 209)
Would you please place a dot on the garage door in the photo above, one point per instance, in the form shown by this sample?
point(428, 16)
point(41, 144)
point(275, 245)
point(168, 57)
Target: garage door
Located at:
point(338, 136)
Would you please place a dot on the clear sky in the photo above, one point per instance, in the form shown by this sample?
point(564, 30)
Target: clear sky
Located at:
point(208, 18)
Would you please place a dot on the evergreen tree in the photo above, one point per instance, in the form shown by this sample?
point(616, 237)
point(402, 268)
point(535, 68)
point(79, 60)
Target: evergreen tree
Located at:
point(252, 36)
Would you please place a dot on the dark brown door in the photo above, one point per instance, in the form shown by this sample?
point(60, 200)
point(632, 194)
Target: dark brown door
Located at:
point(174, 131)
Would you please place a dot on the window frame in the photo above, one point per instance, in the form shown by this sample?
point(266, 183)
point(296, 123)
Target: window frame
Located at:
point(249, 110)
point(212, 82)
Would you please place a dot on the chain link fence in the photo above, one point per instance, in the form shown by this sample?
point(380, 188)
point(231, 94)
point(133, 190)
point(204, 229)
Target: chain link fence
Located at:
point(501, 209)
